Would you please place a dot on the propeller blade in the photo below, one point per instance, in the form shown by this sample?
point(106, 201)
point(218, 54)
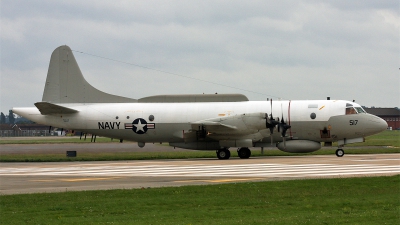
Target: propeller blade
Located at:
point(283, 126)
point(270, 122)
point(284, 143)
point(272, 141)
point(271, 106)
point(279, 126)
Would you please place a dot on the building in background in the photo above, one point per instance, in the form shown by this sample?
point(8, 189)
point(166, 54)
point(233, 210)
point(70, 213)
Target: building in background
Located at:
point(16, 130)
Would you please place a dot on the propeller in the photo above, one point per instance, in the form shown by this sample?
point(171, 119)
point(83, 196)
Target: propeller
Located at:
point(270, 123)
point(283, 127)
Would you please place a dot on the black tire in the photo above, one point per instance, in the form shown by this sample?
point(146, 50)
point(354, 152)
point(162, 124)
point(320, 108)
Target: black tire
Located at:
point(223, 154)
point(228, 155)
point(339, 152)
point(244, 153)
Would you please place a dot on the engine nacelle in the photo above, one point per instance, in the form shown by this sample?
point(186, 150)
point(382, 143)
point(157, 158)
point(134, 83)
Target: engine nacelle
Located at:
point(254, 120)
point(299, 146)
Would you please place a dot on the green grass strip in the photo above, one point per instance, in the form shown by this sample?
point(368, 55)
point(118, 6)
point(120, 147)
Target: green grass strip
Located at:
point(368, 200)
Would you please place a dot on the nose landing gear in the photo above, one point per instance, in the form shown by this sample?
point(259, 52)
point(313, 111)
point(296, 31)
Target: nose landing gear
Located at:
point(339, 152)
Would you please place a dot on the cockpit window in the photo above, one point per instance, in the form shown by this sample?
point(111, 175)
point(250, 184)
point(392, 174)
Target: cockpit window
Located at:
point(354, 110)
point(350, 110)
point(360, 110)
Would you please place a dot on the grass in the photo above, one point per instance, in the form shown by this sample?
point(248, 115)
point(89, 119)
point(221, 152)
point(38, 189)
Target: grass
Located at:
point(385, 138)
point(368, 200)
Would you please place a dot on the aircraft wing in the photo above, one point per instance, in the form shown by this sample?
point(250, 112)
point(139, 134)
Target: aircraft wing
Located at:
point(47, 108)
point(212, 126)
point(237, 124)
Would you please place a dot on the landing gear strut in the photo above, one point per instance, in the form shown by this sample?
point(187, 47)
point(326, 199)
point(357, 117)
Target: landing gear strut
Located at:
point(223, 153)
point(339, 152)
point(244, 153)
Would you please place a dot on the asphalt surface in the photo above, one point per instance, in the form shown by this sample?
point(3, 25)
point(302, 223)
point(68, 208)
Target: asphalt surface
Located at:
point(76, 176)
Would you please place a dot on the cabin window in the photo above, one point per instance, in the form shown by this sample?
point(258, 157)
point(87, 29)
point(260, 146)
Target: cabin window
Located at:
point(151, 117)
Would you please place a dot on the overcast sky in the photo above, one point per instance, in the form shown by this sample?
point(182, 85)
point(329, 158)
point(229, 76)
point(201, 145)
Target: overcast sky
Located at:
point(281, 49)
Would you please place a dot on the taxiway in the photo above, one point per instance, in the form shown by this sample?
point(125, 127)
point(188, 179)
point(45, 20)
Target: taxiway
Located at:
point(76, 176)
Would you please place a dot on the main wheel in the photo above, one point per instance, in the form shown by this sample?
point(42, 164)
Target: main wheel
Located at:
point(339, 152)
point(244, 153)
point(223, 153)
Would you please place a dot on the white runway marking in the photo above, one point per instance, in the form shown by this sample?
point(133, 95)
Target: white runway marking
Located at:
point(238, 170)
point(373, 160)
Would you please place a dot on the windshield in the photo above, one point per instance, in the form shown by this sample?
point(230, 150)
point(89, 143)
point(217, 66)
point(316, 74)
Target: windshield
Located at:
point(354, 110)
point(360, 110)
point(350, 110)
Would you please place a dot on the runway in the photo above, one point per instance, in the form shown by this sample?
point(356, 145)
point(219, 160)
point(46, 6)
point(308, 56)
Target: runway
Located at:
point(73, 176)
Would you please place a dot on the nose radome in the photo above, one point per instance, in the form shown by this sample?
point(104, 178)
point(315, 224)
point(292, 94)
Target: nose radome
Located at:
point(383, 124)
point(379, 124)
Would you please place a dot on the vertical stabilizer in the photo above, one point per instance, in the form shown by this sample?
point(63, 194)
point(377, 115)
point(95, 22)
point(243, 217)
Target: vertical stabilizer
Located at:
point(66, 84)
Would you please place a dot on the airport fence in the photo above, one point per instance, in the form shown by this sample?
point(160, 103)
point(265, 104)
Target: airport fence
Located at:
point(27, 133)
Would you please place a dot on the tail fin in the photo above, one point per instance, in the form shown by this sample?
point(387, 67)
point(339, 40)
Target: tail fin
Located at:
point(66, 84)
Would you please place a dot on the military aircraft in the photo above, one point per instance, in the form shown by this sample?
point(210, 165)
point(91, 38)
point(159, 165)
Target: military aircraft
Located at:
point(201, 122)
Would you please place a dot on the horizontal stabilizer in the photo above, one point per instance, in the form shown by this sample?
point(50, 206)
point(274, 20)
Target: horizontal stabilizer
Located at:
point(46, 108)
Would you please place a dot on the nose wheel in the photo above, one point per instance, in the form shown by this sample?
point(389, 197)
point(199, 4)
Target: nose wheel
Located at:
point(339, 152)
point(223, 153)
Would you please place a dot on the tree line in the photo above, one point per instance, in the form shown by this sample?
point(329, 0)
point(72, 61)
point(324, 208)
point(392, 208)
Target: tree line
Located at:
point(12, 119)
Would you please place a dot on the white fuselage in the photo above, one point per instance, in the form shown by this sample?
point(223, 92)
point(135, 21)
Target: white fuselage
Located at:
point(171, 121)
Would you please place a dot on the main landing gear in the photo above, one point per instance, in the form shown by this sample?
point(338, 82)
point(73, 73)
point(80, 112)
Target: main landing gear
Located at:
point(223, 153)
point(339, 152)
point(244, 153)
